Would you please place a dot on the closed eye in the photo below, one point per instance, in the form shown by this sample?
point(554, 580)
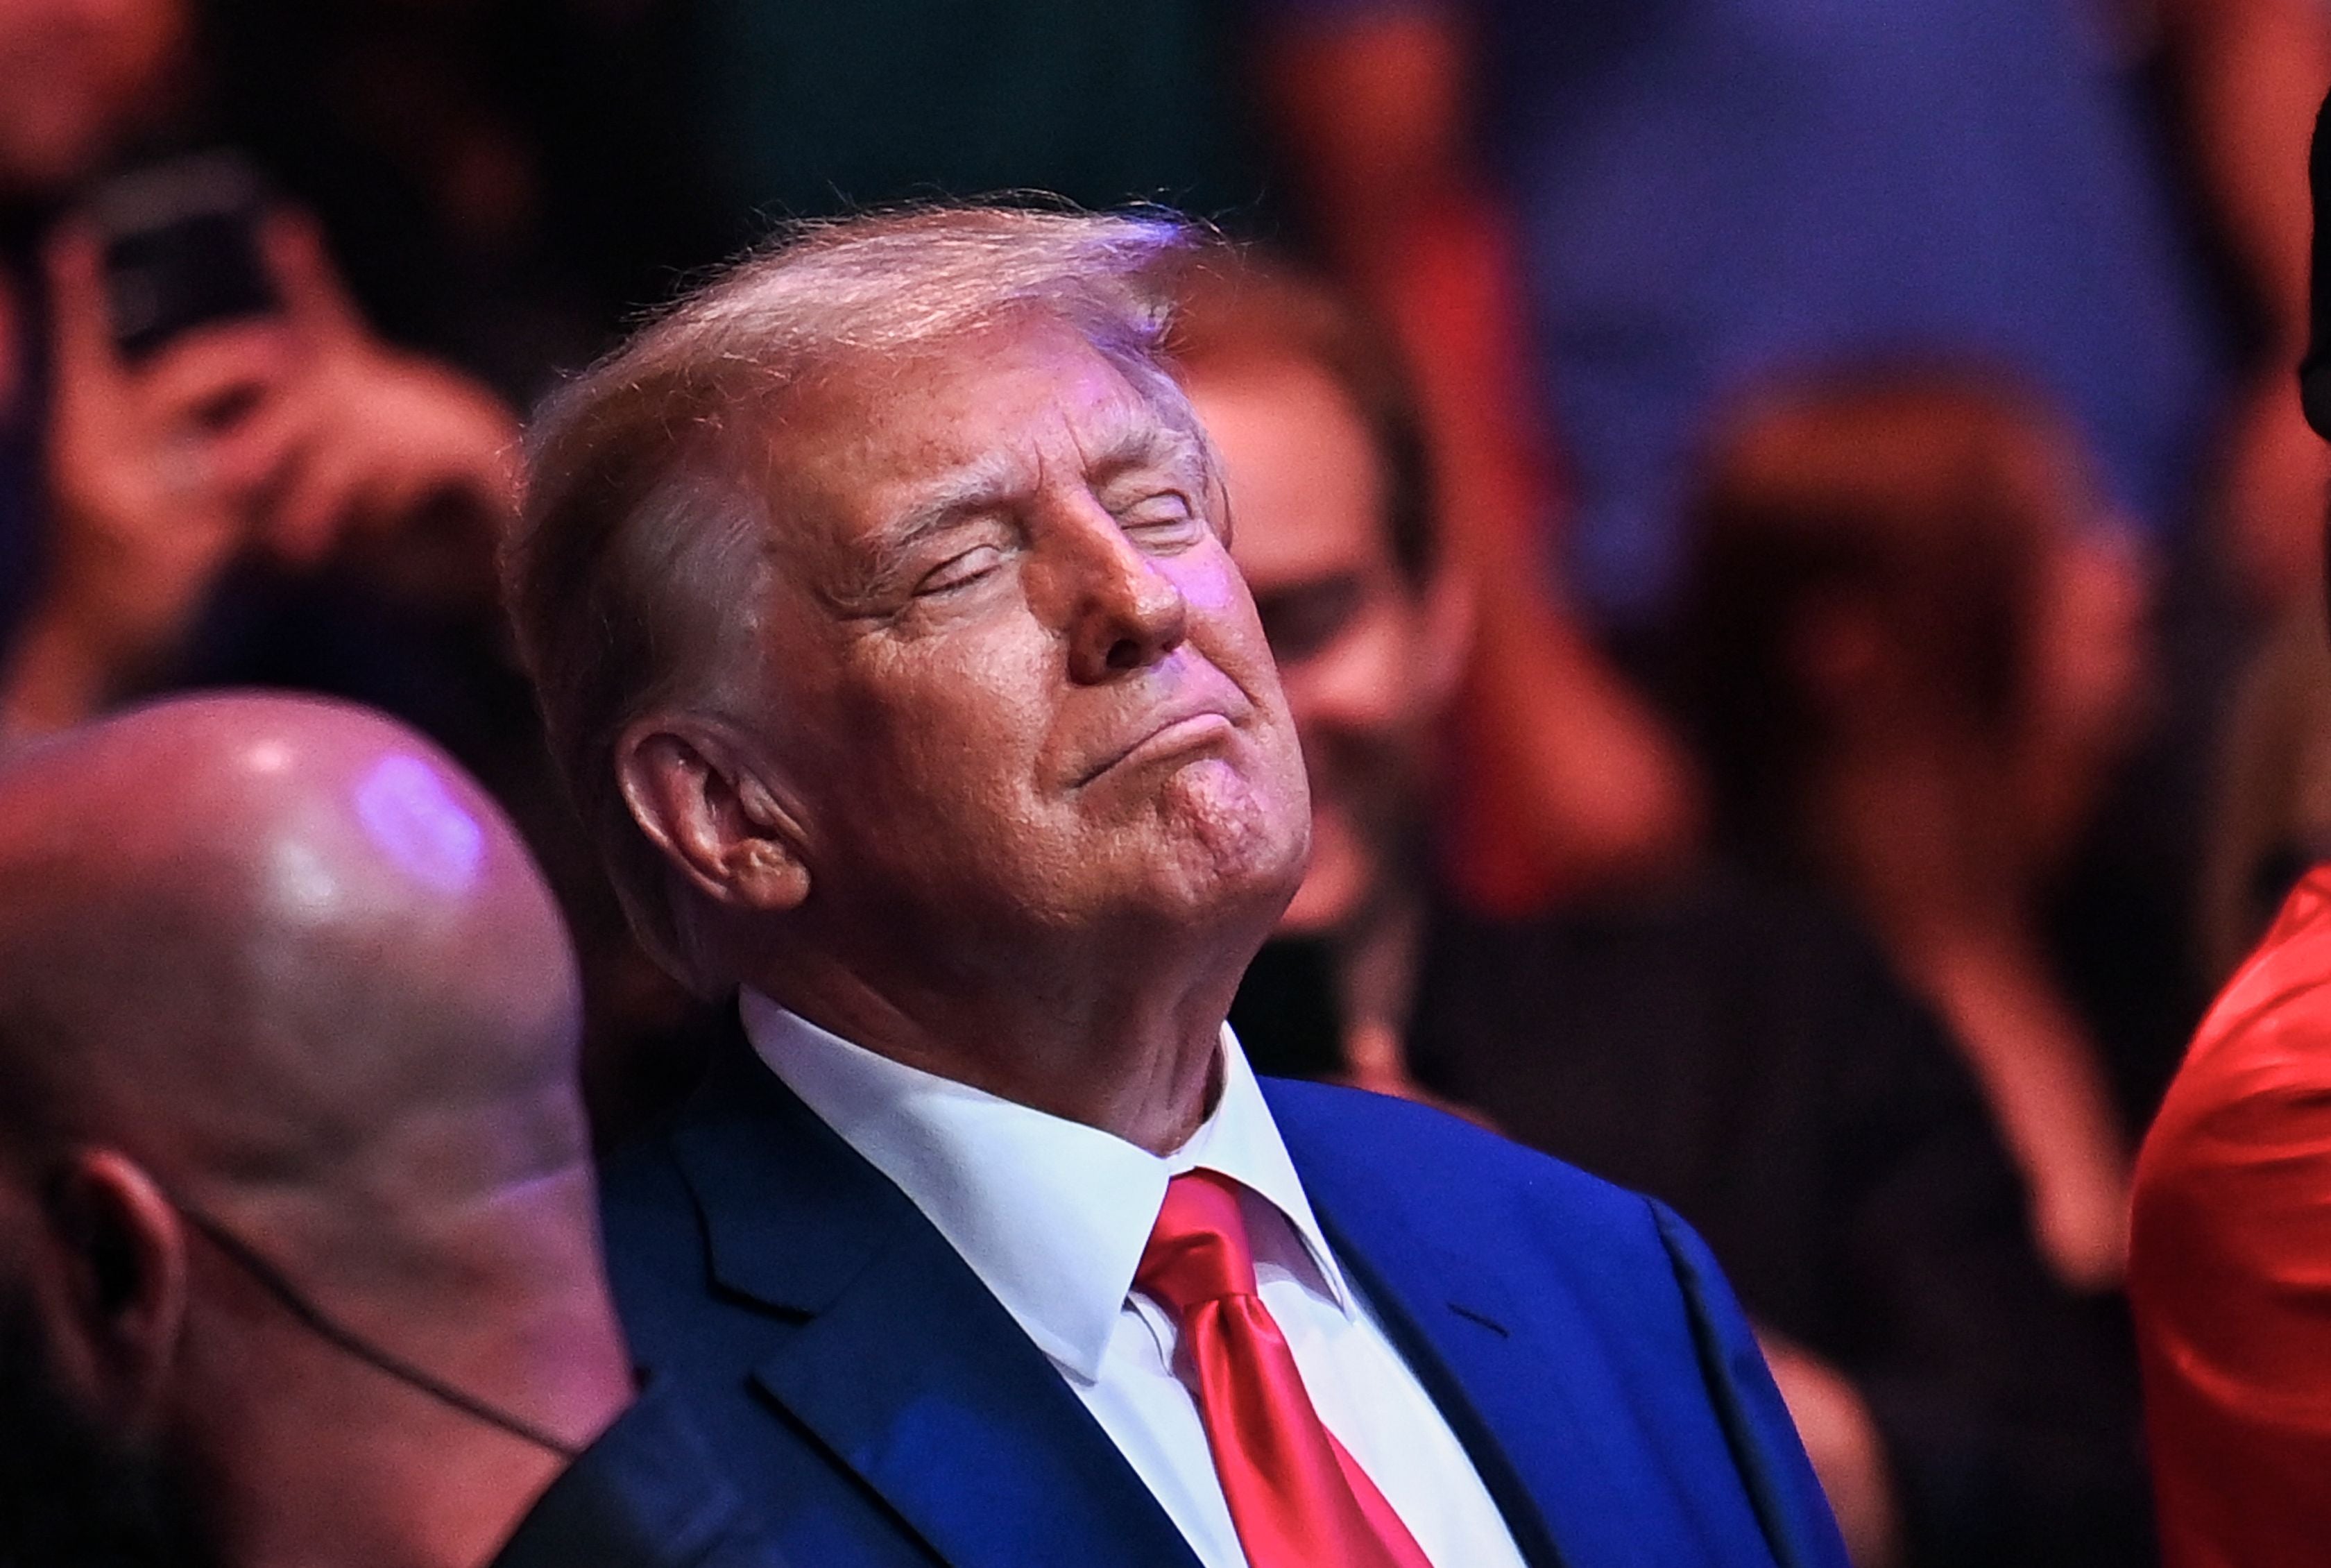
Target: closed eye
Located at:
point(960, 570)
point(1164, 524)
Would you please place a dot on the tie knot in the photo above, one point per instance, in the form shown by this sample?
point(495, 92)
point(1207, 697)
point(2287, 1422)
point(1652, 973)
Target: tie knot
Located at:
point(1198, 1250)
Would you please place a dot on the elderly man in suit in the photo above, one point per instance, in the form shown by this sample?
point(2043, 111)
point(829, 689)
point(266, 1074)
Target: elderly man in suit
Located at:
point(880, 604)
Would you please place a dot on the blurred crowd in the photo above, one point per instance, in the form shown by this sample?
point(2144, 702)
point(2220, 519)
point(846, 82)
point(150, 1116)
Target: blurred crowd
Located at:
point(1786, 525)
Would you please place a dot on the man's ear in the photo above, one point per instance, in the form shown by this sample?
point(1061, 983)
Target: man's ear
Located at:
point(695, 793)
point(122, 1283)
point(1449, 612)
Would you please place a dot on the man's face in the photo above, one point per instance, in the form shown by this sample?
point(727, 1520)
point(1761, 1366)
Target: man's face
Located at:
point(1014, 684)
point(1348, 629)
point(72, 74)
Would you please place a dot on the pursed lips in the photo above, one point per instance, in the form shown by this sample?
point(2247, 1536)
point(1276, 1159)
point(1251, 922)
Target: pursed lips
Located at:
point(1176, 727)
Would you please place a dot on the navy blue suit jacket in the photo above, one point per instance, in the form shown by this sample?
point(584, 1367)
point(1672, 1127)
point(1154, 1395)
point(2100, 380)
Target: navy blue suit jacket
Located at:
point(646, 1494)
point(883, 1409)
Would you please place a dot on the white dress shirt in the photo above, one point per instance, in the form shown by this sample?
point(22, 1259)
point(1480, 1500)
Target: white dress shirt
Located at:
point(1053, 1215)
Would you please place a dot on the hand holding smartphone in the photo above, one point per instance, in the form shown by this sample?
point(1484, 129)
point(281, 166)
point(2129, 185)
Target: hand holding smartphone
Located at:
point(183, 248)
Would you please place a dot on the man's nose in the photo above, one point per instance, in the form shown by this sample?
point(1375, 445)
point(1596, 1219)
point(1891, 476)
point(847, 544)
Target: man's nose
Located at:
point(1121, 611)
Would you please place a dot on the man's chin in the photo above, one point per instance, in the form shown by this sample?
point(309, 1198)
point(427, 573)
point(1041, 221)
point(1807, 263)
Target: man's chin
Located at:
point(1229, 831)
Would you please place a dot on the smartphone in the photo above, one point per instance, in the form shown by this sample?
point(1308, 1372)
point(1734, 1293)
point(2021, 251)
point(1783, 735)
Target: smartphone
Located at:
point(181, 247)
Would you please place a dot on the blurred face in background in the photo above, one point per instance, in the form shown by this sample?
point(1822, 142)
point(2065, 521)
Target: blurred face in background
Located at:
point(74, 76)
point(1366, 654)
point(1913, 573)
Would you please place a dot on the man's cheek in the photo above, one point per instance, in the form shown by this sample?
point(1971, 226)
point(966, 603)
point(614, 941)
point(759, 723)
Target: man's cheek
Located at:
point(1211, 586)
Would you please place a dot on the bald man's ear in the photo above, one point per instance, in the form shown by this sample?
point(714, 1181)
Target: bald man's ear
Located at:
point(698, 795)
point(118, 1299)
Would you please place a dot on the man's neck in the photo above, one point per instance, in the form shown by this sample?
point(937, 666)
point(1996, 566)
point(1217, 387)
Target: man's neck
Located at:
point(1136, 1059)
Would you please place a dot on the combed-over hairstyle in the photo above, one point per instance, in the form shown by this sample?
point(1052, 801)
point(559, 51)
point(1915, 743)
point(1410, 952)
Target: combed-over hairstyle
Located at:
point(636, 571)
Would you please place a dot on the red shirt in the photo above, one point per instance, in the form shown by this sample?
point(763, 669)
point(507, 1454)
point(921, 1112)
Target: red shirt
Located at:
point(2230, 1266)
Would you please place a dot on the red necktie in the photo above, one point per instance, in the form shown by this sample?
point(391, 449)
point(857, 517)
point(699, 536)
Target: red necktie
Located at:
point(1297, 1498)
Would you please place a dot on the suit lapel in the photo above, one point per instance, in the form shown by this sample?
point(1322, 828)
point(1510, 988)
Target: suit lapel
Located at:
point(904, 1367)
point(1454, 1332)
point(1515, 1408)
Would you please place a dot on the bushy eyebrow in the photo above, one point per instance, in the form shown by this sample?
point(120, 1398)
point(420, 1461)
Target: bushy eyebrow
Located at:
point(992, 483)
point(979, 487)
point(1153, 444)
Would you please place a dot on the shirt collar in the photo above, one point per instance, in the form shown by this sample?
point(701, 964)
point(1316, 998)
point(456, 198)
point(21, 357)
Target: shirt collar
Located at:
point(1052, 1214)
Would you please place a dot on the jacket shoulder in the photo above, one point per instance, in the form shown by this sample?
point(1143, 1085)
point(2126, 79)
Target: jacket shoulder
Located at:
point(1611, 1284)
point(1433, 1158)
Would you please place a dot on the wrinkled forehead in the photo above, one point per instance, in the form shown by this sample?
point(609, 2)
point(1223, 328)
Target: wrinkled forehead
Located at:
point(876, 442)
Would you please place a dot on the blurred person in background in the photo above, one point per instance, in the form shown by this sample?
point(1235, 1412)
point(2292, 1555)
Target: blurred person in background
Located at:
point(298, 1253)
point(1918, 652)
point(276, 494)
point(2274, 794)
point(2229, 1247)
point(2271, 796)
point(1607, 220)
point(1594, 225)
point(504, 181)
point(1735, 1049)
point(2230, 1234)
point(143, 474)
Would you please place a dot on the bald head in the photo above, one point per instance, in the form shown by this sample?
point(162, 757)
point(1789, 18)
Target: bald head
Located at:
point(281, 950)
